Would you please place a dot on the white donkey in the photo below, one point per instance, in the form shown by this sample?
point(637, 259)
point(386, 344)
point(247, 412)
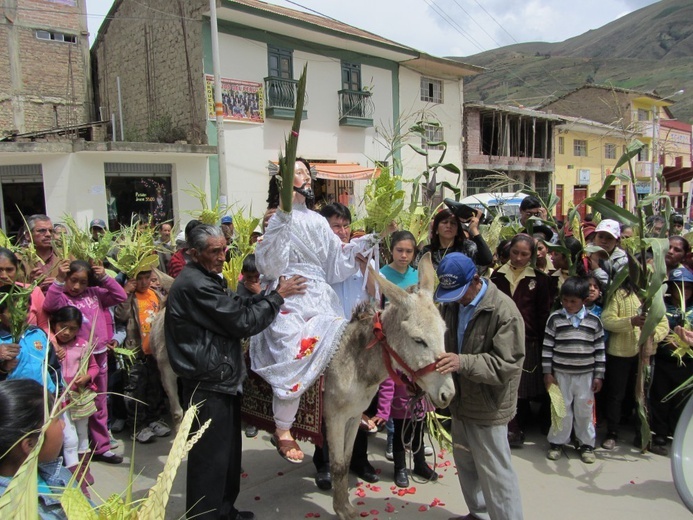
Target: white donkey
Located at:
point(408, 337)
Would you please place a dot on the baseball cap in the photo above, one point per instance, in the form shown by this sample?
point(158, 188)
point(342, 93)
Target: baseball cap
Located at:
point(180, 238)
point(455, 273)
point(609, 226)
point(226, 219)
point(680, 275)
point(97, 223)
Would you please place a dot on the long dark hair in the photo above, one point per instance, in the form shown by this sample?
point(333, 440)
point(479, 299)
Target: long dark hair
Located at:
point(77, 266)
point(273, 194)
point(67, 313)
point(444, 214)
point(21, 411)
point(6, 253)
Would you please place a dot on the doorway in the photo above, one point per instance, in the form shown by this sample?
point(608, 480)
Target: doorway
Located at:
point(19, 201)
point(579, 194)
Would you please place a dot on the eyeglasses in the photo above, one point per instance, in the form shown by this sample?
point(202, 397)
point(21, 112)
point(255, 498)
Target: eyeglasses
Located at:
point(43, 231)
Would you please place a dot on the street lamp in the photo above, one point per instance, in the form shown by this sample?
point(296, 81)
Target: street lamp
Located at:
point(655, 135)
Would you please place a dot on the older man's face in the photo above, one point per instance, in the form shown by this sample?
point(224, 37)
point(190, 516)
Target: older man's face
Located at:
point(213, 256)
point(42, 234)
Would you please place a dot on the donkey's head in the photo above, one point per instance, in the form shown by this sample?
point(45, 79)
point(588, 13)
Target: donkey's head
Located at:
point(415, 329)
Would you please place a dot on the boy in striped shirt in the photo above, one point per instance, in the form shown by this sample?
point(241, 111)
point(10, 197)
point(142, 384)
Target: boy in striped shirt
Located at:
point(573, 357)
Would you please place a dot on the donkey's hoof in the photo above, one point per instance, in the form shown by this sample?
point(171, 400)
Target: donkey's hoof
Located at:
point(347, 512)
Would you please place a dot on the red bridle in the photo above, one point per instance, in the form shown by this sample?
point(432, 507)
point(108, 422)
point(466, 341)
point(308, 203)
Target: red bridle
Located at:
point(389, 354)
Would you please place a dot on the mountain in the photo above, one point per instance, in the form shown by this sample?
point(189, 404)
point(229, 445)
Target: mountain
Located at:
point(649, 49)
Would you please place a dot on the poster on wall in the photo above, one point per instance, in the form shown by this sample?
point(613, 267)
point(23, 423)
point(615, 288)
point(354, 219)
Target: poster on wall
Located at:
point(243, 100)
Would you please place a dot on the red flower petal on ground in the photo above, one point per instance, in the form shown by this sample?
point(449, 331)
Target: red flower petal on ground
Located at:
point(389, 508)
point(360, 493)
point(244, 475)
point(402, 492)
point(375, 512)
point(411, 490)
point(375, 489)
point(360, 503)
point(423, 508)
point(309, 515)
point(364, 514)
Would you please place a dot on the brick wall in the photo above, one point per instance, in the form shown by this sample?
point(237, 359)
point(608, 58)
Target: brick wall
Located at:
point(50, 76)
point(146, 48)
point(472, 134)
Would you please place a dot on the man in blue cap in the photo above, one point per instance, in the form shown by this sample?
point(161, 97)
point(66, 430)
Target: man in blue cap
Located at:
point(484, 345)
point(227, 228)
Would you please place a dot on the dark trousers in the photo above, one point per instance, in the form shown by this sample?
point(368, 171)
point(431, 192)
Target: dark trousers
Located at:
point(620, 382)
point(143, 387)
point(359, 455)
point(214, 462)
point(413, 433)
point(668, 375)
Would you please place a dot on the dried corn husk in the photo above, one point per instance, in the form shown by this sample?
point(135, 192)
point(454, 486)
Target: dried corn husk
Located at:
point(154, 506)
point(558, 410)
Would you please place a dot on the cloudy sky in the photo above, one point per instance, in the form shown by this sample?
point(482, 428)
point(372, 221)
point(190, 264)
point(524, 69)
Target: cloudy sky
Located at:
point(454, 27)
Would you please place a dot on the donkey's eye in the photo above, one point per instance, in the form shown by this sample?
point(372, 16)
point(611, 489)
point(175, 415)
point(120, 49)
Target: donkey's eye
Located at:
point(421, 342)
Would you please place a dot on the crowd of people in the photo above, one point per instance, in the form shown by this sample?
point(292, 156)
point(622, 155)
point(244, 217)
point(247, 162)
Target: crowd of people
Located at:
point(528, 315)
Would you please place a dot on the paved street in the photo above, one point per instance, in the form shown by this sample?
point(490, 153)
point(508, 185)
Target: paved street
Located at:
point(621, 485)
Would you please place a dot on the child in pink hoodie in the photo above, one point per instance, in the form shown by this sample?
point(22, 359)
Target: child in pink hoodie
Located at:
point(92, 291)
point(72, 350)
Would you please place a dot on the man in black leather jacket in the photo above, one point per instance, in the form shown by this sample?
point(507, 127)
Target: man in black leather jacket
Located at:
point(204, 325)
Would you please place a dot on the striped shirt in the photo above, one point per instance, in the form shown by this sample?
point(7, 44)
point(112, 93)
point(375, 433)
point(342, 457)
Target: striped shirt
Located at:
point(574, 350)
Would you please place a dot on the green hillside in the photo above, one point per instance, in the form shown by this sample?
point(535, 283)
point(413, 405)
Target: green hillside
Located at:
point(649, 49)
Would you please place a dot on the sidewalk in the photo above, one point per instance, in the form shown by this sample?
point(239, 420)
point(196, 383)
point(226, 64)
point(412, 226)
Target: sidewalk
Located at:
point(621, 485)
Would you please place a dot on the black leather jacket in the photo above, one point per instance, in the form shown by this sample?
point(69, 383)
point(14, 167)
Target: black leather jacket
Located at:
point(204, 325)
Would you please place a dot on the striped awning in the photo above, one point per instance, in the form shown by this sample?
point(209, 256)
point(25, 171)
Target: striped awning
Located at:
point(337, 171)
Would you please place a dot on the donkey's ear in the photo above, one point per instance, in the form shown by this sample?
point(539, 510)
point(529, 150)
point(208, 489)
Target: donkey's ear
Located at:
point(427, 275)
point(393, 293)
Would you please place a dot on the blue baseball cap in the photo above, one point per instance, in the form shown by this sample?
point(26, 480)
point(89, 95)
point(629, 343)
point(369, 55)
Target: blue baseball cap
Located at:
point(227, 219)
point(680, 275)
point(97, 223)
point(455, 274)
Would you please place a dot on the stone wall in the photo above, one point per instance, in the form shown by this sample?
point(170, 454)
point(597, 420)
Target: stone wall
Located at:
point(43, 83)
point(158, 55)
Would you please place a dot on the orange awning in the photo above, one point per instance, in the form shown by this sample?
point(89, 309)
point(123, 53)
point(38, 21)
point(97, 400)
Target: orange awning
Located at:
point(341, 171)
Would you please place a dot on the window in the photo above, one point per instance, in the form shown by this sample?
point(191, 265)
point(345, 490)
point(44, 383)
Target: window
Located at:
point(56, 36)
point(351, 76)
point(280, 62)
point(579, 148)
point(643, 115)
point(431, 90)
point(561, 145)
point(609, 151)
point(433, 134)
point(644, 153)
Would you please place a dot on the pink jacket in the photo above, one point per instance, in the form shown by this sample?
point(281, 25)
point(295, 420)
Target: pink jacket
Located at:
point(74, 351)
point(94, 303)
point(393, 400)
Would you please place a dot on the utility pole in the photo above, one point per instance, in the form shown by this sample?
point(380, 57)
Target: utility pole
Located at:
point(218, 107)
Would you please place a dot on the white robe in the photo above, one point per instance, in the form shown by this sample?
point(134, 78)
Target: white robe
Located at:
point(299, 344)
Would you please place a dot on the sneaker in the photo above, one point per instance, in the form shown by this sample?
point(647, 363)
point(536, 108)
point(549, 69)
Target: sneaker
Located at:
point(388, 451)
point(587, 454)
point(428, 451)
point(160, 428)
point(112, 440)
point(118, 425)
point(555, 452)
point(145, 435)
point(610, 442)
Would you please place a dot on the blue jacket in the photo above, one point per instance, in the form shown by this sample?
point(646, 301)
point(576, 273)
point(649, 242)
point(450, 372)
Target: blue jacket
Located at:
point(33, 350)
point(56, 476)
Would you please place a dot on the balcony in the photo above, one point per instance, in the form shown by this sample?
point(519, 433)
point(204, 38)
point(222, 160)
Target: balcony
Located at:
point(280, 98)
point(355, 108)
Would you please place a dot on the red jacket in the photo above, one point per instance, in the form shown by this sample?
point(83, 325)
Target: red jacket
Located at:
point(178, 261)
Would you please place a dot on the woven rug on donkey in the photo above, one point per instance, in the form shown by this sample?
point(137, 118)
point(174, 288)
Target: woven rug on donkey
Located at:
point(257, 408)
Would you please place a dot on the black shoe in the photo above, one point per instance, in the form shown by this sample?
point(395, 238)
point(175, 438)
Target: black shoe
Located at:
point(425, 472)
point(658, 449)
point(401, 478)
point(251, 431)
point(323, 479)
point(112, 458)
point(659, 440)
point(367, 473)
point(244, 515)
